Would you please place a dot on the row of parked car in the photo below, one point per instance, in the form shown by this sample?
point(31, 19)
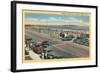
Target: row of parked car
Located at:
point(41, 48)
point(37, 46)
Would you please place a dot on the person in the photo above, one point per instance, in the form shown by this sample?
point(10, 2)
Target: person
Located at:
point(42, 55)
point(45, 54)
point(26, 49)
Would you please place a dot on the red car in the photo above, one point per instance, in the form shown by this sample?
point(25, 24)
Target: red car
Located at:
point(38, 47)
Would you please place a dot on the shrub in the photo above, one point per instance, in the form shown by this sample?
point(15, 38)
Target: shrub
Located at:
point(68, 38)
point(83, 40)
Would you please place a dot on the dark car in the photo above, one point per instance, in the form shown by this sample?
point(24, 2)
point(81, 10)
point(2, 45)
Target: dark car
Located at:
point(45, 44)
point(27, 41)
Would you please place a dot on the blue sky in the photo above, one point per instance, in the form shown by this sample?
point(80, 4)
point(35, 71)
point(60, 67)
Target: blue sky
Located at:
point(56, 18)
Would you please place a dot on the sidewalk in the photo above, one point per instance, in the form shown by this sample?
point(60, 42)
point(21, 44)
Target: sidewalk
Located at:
point(33, 55)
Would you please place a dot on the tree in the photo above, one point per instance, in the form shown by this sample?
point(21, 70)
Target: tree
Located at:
point(62, 35)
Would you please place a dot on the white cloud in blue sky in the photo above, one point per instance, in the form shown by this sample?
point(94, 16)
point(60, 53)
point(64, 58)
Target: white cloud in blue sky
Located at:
point(56, 18)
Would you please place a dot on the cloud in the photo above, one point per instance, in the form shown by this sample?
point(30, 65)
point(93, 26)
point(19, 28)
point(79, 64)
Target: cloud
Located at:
point(53, 19)
point(31, 19)
point(86, 24)
point(75, 19)
point(44, 20)
point(49, 19)
point(56, 19)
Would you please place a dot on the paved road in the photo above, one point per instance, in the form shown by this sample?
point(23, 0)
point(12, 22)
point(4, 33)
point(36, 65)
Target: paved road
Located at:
point(73, 49)
point(41, 36)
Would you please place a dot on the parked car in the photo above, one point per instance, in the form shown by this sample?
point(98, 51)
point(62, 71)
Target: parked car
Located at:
point(45, 44)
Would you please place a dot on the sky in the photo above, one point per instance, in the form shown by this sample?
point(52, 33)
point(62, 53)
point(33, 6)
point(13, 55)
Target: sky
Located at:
point(56, 18)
